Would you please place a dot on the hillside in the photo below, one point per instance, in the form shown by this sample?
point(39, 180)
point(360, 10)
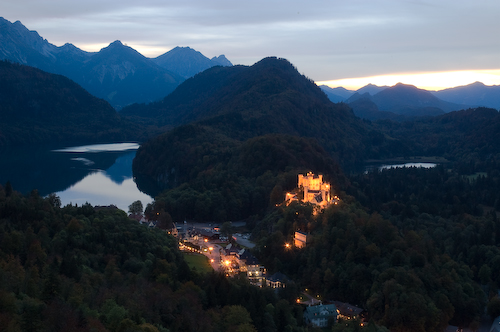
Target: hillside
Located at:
point(472, 134)
point(38, 107)
point(267, 97)
point(224, 178)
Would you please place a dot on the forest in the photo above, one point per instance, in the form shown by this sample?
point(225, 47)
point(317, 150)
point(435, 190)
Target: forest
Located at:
point(83, 268)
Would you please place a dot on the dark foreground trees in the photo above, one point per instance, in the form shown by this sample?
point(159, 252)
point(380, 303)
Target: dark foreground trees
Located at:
point(80, 269)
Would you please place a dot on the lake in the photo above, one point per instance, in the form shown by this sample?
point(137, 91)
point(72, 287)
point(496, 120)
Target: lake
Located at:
point(100, 174)
point(389, 166)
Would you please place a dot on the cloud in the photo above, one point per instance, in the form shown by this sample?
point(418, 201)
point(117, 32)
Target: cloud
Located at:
point(325, 39)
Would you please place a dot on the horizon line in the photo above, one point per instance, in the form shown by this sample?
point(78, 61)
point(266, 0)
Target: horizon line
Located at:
point(431, 81)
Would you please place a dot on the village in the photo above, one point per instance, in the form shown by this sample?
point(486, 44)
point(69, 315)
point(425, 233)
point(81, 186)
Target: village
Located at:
point(232, 255)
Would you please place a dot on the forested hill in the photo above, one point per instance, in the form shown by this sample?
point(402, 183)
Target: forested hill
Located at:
point(250, 130)
point(38, 107)
point(466, 136)
point(268, 97)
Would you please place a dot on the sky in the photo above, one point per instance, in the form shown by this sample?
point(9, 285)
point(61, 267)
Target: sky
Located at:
point(431, 44)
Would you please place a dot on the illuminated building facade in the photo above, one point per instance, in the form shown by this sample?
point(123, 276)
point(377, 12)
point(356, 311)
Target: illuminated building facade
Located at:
point(315, 191)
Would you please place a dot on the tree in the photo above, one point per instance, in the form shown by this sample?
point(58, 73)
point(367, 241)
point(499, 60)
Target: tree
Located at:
point(484, 274)
point(164, 220)
point(494, 307)
point(226, 229)
point(135, 208)
point(8, 189)
point(276, 196)
point(54, 200)
point(236, 318)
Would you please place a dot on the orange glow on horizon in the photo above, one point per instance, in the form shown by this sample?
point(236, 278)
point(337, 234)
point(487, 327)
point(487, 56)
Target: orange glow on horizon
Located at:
point(432, 81)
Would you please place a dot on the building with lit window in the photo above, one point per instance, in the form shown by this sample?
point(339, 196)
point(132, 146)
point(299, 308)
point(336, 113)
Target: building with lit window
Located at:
point(300, 239)
point(312, 189)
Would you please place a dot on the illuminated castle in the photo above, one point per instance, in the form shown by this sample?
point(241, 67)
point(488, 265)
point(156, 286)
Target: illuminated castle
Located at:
point(315, 191)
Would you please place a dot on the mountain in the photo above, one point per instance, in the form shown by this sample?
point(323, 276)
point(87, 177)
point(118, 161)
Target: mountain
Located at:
point(237, 132)
point(372, 89)
point(187, 62)
point(122, 76)
point(410, 100)
point(476, 94)
point(18, 44)
point(218, 110)
point(39, 107)
point(364, 107)
point(221, 60)
point(117, 73)
point(336, 95)
point(400, 102)
point(267, 97)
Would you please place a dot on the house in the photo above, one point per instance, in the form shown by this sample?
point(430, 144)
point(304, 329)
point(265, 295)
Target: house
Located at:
point(349, 311)
point(277, 280)
point(255, 272)
point(320, 315)
point(300, 239)
point(233, 250)
point(174, 231)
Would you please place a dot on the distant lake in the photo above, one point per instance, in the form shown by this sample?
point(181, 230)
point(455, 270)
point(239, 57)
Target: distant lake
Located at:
point(100, 174)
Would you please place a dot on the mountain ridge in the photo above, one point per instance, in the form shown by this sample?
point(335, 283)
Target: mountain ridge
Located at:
point(476, 94)
point(153, 82)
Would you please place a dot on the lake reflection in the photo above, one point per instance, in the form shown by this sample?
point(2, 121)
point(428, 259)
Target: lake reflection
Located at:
point(99, 174)
point(100, 189)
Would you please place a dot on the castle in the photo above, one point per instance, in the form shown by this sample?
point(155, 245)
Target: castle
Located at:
point(315, 191)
